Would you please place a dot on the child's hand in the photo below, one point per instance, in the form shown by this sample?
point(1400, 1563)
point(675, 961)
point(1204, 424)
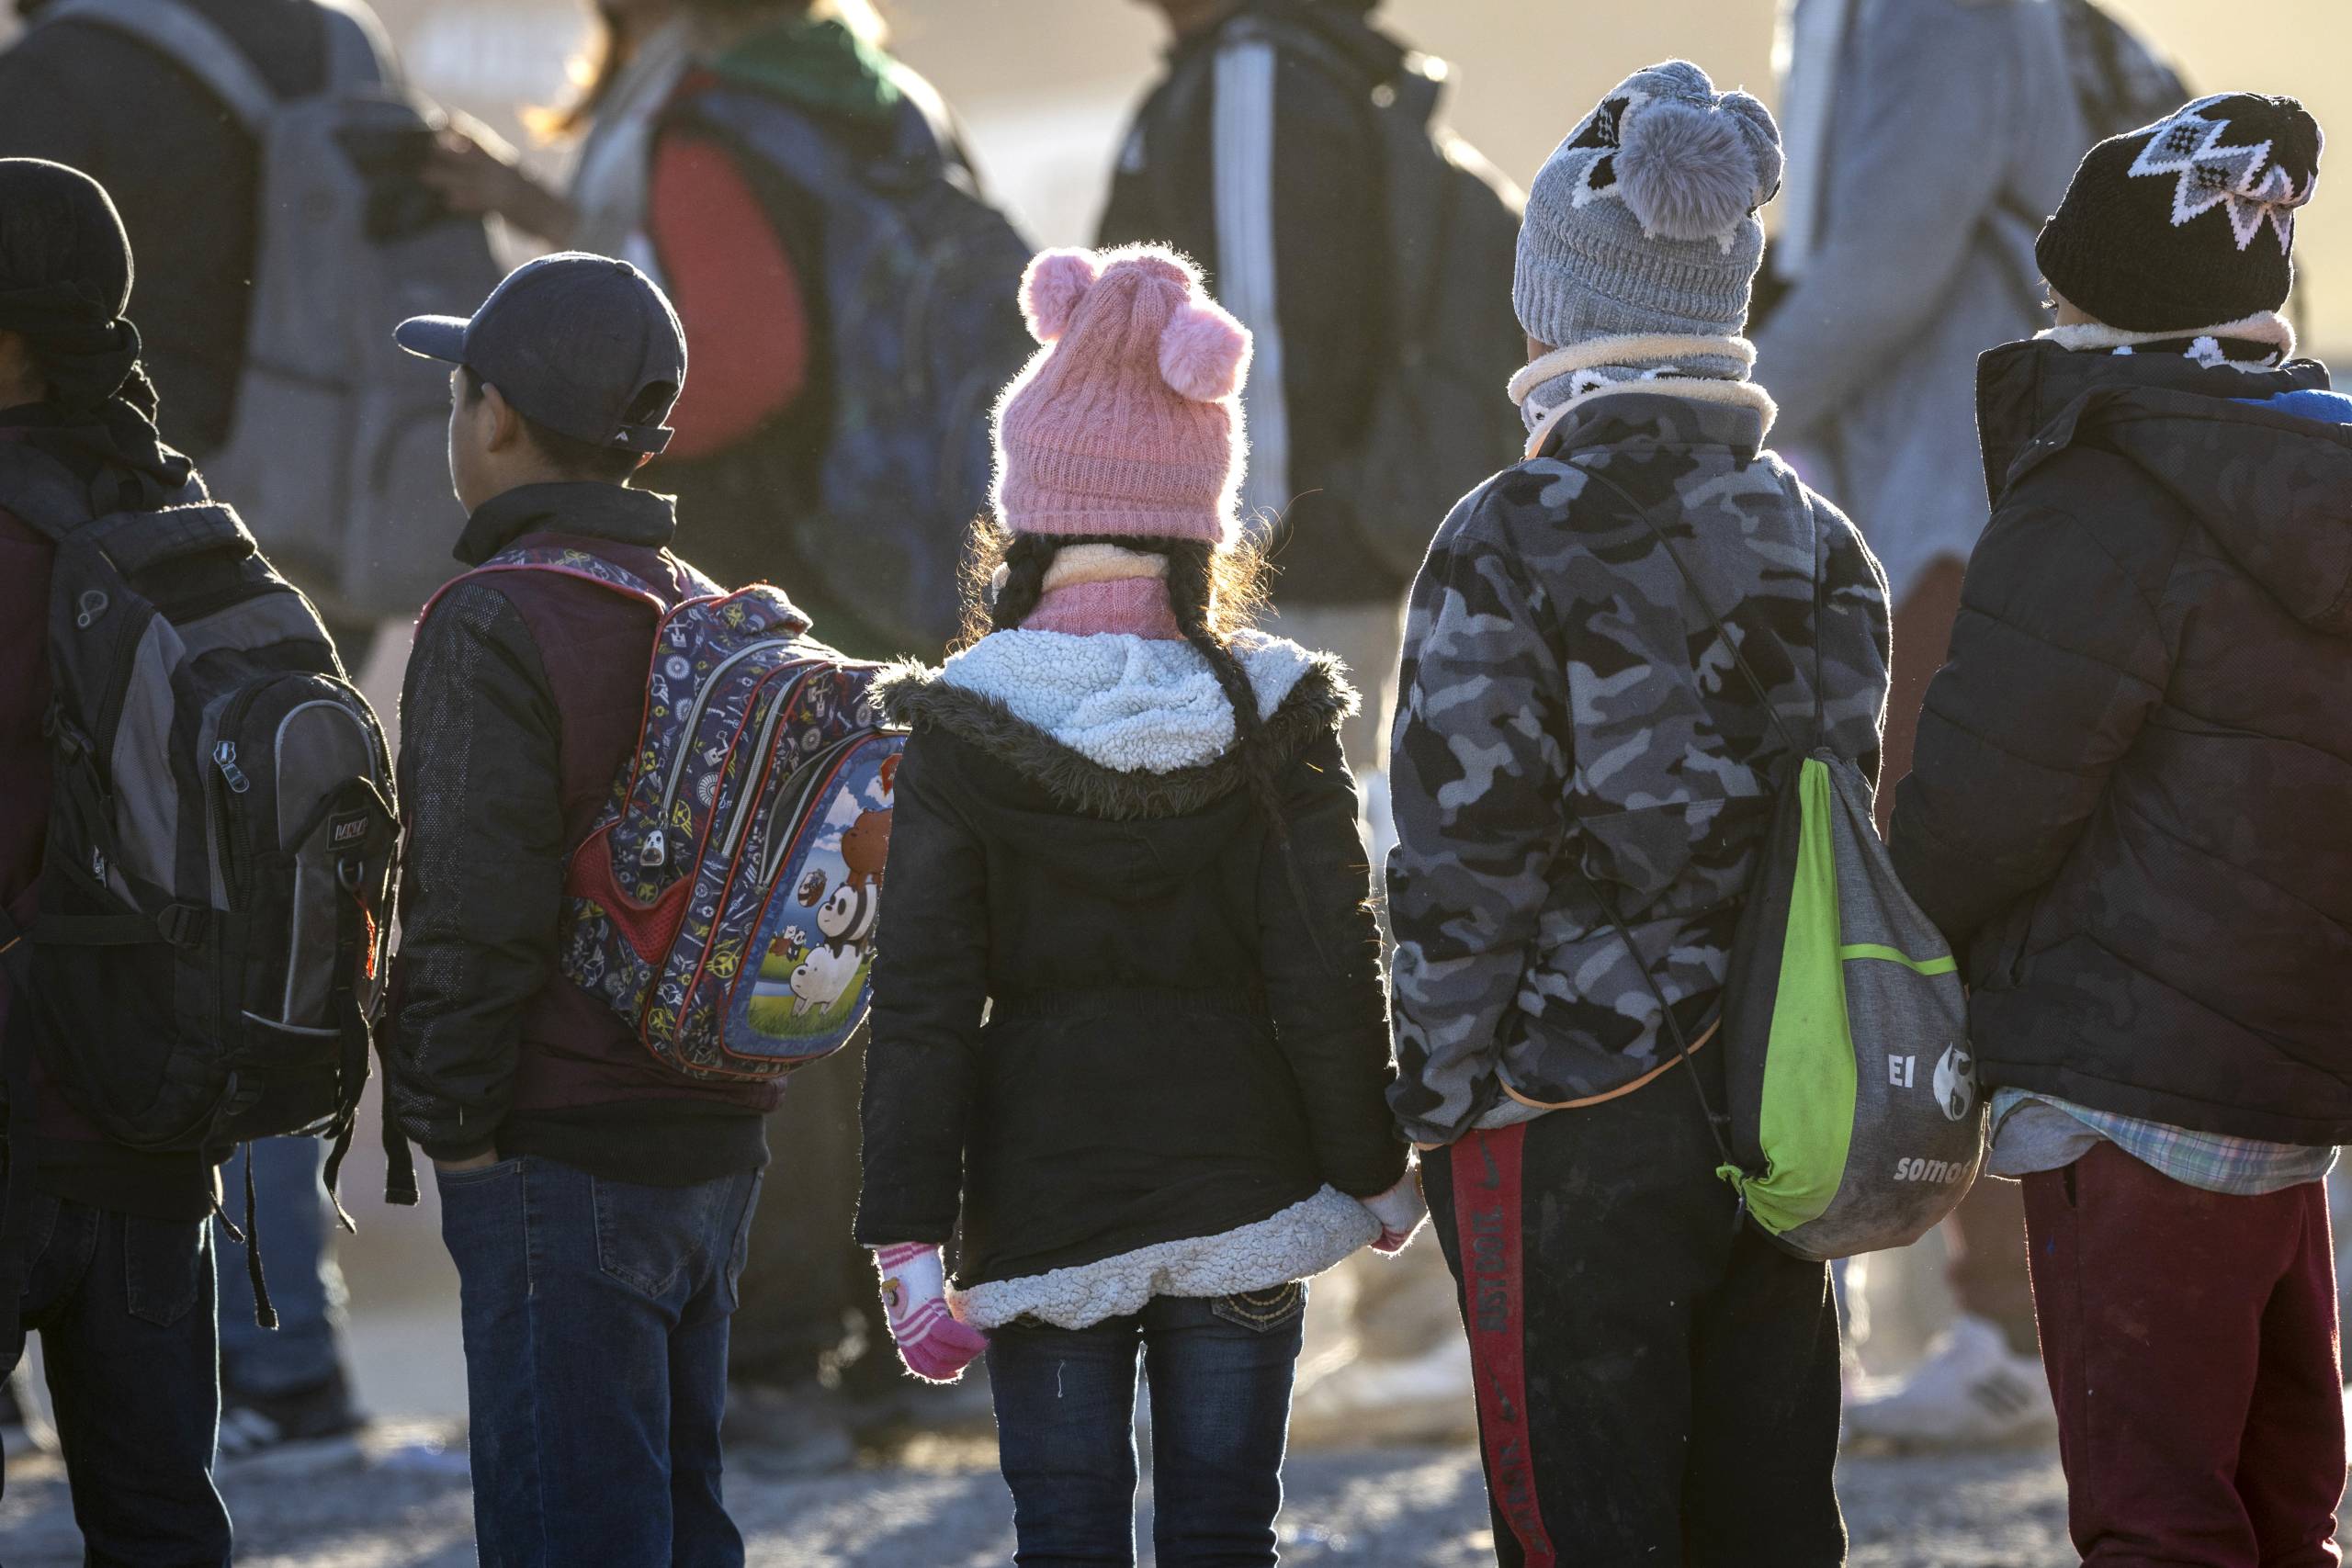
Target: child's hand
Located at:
point(933, 1344)
point(1401, 1211)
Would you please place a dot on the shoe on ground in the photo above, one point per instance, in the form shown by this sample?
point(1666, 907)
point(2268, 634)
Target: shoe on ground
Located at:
point(1428, 1398)
point(22, 1431)
point(1972, 1391)
point(798, 1431)
point(255, 1425)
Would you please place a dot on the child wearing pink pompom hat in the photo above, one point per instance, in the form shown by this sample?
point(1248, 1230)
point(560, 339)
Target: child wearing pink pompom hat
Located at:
point(1130, 1030)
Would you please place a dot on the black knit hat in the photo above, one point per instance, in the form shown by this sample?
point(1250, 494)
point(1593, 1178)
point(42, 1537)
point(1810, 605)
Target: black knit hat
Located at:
point(65, 277)
point(2188, 222)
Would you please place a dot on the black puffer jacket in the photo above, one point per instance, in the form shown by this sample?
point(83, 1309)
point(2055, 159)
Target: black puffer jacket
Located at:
point(1175, 1046)
point(2132, 801)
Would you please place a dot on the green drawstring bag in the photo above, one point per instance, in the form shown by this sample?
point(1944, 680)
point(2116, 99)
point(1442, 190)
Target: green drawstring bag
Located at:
point(1854, 1124)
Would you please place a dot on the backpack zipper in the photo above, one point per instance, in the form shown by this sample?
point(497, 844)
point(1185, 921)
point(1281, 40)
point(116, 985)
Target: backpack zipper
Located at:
point(655, 851)
point(762, 760)
point(122, 660)
point(235, 854)
point(796, 794)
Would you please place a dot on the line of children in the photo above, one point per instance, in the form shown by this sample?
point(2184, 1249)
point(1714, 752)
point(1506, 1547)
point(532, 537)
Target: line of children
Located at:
point(2120, 816)
point(1131, 1053)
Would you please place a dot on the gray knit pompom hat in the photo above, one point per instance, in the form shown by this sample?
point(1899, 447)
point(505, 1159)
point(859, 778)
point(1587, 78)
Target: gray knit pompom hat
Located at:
point(1644, 221)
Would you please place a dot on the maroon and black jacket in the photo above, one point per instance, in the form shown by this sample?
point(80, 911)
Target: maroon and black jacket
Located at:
point(525, 697)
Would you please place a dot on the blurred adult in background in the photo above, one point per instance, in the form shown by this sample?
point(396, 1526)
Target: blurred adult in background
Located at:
point(736, 240)
point(625, 74)
point(1927, 142)
point(1269, 150)
point(737, 225)
point(1268, 175)
point(188, 176)
point(184, 175)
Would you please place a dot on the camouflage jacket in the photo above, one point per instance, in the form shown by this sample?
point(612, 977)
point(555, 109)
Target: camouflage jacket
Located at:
point(1568, 713)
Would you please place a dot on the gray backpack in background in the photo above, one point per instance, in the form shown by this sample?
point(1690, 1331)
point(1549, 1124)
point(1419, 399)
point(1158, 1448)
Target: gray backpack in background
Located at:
point(336, 452)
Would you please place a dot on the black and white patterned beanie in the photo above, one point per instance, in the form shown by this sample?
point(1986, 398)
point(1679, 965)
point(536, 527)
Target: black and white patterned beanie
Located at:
point(2188, 222)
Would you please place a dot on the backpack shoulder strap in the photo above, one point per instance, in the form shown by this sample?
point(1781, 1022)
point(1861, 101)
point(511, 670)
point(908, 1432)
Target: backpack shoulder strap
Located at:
point(140, 541)
point(556, 561)
point(186, 37)
point(357, 53)
point(42, 493)
point(762, 127)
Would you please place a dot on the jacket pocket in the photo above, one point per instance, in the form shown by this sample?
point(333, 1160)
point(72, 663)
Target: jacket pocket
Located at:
point(165, 1266)
point(1995, 959)
point(1263, 1311)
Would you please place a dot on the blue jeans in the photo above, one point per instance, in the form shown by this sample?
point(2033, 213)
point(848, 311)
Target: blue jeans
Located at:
point(290, 1209)
point(595, 1317)
point(123, 1306)
point(1220, 1375)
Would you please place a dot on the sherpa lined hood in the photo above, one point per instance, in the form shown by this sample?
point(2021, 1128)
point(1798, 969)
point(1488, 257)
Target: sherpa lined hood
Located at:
point(1121, 726)
point(2273, 488)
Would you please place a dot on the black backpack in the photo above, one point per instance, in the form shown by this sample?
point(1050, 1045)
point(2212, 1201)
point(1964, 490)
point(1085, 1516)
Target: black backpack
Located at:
point(214, 912)
point(1440, 425)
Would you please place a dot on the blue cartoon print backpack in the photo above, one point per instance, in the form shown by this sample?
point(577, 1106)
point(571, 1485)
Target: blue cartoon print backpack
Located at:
point(724, 903)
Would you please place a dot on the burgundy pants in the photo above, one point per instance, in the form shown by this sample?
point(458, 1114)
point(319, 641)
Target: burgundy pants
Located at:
point(2190, 1341)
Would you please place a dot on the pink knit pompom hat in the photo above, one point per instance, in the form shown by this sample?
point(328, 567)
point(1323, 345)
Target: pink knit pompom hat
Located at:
point(1129, 420)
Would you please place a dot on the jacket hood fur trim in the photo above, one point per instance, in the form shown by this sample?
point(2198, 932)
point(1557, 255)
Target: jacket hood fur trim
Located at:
point(1294, 1244)
point(2265, 327)
point(1120, 727)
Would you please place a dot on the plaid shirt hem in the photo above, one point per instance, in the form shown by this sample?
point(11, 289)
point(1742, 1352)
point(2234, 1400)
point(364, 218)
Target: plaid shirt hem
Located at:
point(2237, 1168)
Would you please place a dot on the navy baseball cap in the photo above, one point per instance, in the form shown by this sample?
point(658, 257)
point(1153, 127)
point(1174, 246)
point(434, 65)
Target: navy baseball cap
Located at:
point(577, 343)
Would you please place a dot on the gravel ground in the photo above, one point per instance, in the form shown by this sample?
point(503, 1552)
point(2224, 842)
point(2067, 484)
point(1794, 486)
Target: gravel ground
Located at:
point(401, 1502)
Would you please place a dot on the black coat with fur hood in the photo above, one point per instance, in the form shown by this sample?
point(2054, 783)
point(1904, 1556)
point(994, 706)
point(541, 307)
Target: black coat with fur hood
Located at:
point(1109, 1033)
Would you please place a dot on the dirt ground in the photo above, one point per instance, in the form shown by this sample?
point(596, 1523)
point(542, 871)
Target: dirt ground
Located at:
point(401, 1502)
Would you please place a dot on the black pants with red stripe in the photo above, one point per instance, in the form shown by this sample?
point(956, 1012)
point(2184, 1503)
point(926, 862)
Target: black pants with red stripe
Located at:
point(1655, 1388)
